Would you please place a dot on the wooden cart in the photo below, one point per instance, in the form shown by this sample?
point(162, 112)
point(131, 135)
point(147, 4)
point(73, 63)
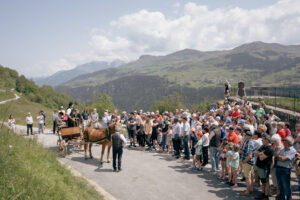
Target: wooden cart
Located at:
point(69, 137)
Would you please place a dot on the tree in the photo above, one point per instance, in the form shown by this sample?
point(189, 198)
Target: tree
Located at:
point(168, 103)
point(204, 106)
point(102, 102)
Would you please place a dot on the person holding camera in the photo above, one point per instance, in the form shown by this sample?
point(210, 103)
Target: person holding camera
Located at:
point(285, 162)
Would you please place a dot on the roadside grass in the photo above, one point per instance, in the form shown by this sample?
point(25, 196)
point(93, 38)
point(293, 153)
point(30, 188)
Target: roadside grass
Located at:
point(30, 172)
point(20, 108)
point(282, 102)
point(6, 95)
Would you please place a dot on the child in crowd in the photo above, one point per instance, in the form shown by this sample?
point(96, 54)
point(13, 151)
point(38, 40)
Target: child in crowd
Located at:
point(235, 164)
point(228, 160)
point(169, 140)
point(199, 151)
point(222, 150)
point(193, 141)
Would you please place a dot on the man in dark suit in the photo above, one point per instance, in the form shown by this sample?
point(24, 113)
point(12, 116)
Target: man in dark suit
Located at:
point(118, 141)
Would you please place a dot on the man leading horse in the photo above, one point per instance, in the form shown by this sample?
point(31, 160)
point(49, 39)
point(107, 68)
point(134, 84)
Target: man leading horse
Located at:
point(102, 136)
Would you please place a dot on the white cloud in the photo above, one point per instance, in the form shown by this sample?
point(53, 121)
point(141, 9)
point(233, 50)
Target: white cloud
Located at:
point(204, 29)
point(197, 27)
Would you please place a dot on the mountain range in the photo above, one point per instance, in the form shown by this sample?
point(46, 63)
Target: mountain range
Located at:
point(66, 75)
point(192, 73)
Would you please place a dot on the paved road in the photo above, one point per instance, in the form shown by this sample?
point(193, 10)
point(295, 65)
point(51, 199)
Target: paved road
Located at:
point(148, 175)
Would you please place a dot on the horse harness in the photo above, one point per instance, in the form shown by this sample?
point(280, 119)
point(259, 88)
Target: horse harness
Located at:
point(108, 136)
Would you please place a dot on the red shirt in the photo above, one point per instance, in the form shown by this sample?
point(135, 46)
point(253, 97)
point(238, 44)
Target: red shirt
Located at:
point(282, 134)
point(235, 114)
point(233, 138)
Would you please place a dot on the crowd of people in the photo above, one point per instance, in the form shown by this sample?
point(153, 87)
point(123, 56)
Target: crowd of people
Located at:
point(237, 139)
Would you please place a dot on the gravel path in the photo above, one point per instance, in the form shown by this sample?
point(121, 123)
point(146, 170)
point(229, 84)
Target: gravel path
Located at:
point(8, 100)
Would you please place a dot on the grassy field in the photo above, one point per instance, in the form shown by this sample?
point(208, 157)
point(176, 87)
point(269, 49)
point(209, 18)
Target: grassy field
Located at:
point(28, 171)
point(21, 107)
point(6, 95)
point(284, 102)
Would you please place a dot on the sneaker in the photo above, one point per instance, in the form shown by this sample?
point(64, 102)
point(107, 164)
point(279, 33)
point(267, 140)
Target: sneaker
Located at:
point(200, 169)
point(243, 179)
point(192, 167)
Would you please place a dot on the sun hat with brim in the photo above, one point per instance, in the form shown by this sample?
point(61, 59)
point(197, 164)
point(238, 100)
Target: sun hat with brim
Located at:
point(289, 140)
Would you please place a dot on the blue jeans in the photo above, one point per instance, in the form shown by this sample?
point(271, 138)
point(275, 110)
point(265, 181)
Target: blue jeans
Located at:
point(186, 147)
point(283, 176)
point(214, 158)
point(163, 142)
point(41, 128)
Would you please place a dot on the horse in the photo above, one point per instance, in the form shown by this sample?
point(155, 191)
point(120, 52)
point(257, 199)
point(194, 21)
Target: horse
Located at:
point(99, 136)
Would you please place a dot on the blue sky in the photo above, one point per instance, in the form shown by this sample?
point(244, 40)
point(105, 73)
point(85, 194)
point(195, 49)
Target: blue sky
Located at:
point(39, 38)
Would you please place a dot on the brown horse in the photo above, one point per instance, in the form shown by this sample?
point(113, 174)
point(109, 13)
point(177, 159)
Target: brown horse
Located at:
point(99, 136)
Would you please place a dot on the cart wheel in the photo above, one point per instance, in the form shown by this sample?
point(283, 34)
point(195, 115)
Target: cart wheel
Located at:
point(64, 147)
point(59, 145)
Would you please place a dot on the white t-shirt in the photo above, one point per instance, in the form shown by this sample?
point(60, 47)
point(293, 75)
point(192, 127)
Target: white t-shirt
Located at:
point(69, 110)
point(205, 139)
point(29, 120)
point(181, 129)
point(186, 128)
point(40, 119)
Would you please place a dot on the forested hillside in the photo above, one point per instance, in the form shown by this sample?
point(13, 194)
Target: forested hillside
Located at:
point(46, 95)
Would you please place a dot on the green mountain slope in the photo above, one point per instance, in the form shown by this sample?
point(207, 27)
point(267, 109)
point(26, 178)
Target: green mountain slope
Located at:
point(256, 63)
point(202, 69)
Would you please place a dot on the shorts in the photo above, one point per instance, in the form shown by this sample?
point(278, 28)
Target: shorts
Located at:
point(247, 170)
point(193, 151)
point(154, 136)
point(198, 157)
point(263, 174)
point(132, 133)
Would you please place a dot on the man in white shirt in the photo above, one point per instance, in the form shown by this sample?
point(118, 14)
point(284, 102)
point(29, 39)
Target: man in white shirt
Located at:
point(29, 122)
point(186, 136)
point(205, 140)
point(176, 138)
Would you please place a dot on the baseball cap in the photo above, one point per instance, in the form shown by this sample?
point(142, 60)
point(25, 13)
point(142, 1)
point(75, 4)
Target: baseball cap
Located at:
point(249, 133)
point(200, 134)
point(242, 121)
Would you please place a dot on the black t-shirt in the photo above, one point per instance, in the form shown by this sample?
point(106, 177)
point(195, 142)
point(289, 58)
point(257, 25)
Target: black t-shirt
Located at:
point(266, 163)
point(131, 127)
point(85, 115)
point(165, 127)
point(155, 128)
point(194, 140)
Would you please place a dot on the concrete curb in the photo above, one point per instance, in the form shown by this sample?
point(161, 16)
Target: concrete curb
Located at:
point(98, 188)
